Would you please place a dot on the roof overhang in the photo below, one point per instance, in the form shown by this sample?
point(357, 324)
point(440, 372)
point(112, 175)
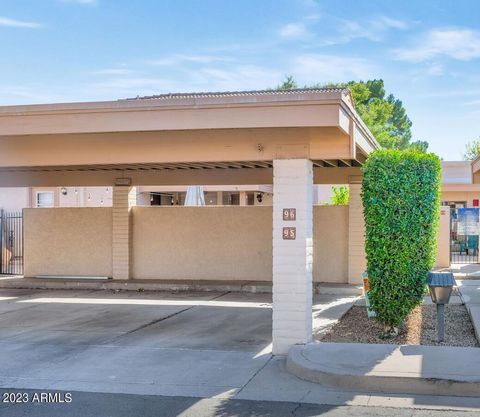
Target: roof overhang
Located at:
point(241, 110)
point(177, 131)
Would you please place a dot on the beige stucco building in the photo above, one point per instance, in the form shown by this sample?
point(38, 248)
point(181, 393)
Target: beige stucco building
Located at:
point(461, 183)
point(288, 140)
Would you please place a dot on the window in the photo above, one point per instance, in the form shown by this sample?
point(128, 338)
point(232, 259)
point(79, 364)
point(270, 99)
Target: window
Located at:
point(454, 204)
point(44, 199)
point(211, 198)
point(231, 199)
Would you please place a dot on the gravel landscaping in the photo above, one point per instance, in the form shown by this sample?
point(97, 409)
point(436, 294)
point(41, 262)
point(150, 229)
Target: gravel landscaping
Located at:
point(418, 329)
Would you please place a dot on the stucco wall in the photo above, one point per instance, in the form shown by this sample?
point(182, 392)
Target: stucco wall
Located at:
point(202, 243)
point(14, 199)
point(330, 244)
point(460, 196)
point(68, 241)
point(209, 243)
point(228, 243)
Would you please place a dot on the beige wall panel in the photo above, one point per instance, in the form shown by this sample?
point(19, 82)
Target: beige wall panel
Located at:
point(443, 240)
point(155, 118)
point(228, 243)
point(68, 241)
point(205, 243)
point(330, 143)
point(456, 172)
point(357, 260)
point(169, 146)
point(330, 244)
point(460, 196)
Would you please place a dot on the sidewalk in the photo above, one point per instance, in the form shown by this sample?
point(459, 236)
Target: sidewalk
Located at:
point(469, 290)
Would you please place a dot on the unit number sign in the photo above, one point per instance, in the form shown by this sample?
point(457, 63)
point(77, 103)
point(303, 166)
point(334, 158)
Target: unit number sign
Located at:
point(289, 233)
point(289, 214)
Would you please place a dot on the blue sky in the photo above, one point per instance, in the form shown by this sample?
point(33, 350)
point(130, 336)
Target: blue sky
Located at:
point(427, 52)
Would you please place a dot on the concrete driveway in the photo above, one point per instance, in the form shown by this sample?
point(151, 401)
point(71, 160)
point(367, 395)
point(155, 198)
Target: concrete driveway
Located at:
point(199, 344)
point(167, 320)
point(214, 345)
point(206, 343)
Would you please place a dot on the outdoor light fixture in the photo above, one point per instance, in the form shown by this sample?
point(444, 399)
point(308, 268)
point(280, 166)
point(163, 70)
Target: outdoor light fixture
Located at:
point(64, 191)
point(440, 285)
point(260, 197)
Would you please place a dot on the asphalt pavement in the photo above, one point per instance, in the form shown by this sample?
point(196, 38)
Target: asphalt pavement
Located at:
point(87, 404)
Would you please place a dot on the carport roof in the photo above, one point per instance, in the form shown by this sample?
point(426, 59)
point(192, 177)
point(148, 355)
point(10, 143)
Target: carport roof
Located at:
point(197, 132)
point(246, 93)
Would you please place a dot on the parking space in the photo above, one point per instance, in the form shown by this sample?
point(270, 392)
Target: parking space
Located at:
point(196, 343)
point(207, 320)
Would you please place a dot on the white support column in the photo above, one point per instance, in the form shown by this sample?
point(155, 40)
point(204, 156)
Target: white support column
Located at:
point(123, 198)
point(357, 260)
point(292, 259)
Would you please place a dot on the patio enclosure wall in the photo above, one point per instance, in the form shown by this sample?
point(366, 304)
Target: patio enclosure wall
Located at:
point(209, 243)
point(61, 241)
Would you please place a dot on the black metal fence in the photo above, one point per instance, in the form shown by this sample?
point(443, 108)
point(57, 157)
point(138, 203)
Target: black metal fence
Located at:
point(11, 243)
point(464, 235)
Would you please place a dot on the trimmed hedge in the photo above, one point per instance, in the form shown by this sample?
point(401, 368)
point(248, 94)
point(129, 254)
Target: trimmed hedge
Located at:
point(401, 200)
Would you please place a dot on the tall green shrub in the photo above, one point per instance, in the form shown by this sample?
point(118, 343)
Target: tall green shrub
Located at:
point(401, 200)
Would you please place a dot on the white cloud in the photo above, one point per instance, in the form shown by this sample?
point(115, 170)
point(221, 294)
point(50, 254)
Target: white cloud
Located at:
point(373, 29)
point(196, 78)
point(459, 93)
point(238, 77)
point(177, 59)
point(385, 22)
point(326, 68)
point(128, 83)
point(435, 69)
point(6, 22)
point(293, 31)
point(460, 44)
point(113, 71)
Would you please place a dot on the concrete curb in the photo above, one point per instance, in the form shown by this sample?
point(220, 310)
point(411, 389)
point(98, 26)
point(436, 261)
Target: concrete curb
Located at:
point(474, 311)
point(349, 378)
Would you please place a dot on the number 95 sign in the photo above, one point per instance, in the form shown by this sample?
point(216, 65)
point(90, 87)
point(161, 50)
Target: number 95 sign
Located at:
point(289, 233)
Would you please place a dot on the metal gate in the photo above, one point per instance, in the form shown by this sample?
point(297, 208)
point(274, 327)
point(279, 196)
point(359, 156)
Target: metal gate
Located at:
point(464, 232)
point(11, 243)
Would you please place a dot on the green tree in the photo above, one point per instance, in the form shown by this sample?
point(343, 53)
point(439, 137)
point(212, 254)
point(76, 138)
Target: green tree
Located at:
point(383, 114)
point(472, 150)
point(287, 84)
point(419, 146)
point(341, 196)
